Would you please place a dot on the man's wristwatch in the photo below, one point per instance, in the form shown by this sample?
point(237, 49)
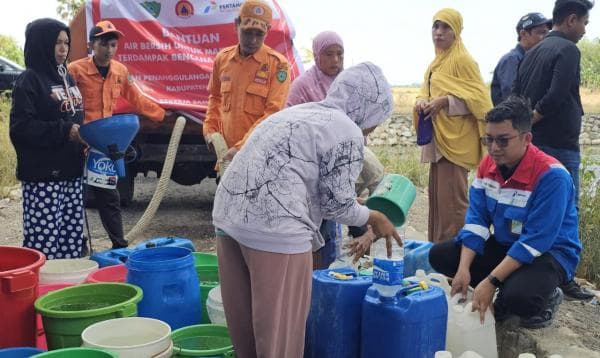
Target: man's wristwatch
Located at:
point(494, 280)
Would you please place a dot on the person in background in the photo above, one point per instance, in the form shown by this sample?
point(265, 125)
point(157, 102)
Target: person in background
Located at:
point(531, 29)
point(528, 198)
point(249, 82)
point(455, 98)
point(550, 76)
point(312, 86)
point(102, 81)
point(44, 129)
point(297, 167)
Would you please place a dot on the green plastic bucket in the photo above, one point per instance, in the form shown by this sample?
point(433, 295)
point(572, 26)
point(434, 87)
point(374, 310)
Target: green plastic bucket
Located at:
point(67, 312)
point(393, 197)
point(202, 340)
point(77, 353)
point(207, 268)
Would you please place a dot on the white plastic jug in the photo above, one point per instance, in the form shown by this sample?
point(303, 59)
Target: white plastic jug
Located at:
point(442, 354)
point(432, 279)
point(466, 333)
point(470, 354)
point(526, 355)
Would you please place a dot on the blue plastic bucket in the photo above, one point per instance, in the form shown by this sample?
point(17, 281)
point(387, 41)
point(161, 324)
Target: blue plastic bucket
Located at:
point(333, 326)
point(170, 284)
point(19, 352)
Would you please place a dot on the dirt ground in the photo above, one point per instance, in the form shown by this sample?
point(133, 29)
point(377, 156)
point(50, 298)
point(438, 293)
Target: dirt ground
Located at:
point(186, 212)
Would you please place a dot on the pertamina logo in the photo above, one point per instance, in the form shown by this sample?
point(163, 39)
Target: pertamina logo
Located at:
point(211, 6)
point(184, 9)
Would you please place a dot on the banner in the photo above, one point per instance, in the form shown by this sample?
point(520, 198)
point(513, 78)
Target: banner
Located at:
point(169, 45)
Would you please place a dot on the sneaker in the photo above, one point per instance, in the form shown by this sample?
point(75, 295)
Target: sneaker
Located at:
point(573, 291)
point(546, 317)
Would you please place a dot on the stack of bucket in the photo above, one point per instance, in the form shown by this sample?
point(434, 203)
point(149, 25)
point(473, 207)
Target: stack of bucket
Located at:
point(207, 269)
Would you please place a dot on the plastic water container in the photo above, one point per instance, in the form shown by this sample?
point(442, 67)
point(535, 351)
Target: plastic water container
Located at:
point(432, 279)
point(387, 276)
point(73, 271)
point(393, 197)
point(82, 352)
point(203, 340)
point(169, 241)
point(111, 257)
point(333, 326)
point(19, 274)
point(40, 341)
point(170, 284)
point(406, 325)
point(207, 268)
point(526, 355)
point(68, 311)
point(130, 337)
point(116, 273)
point(466, 333)
point(443, 354)
point(416, 256)
point(214, 307)
point(19, 352)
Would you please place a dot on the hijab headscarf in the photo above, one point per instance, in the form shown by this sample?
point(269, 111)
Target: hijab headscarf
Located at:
point(40, 41)
point(363, 93)
point(312, 85)
point(454, 72)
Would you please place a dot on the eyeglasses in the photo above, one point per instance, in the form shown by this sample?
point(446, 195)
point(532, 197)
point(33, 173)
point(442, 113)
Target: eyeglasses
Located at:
point(501, 141)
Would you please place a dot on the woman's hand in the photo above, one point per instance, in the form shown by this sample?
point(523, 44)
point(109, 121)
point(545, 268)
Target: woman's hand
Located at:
point(358, 246)
point(74, 134)
point(420, 105)
point(435, 106)
point(383, 228)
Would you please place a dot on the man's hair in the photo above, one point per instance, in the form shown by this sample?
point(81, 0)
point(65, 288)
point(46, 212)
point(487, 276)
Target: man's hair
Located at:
point(565, 8)
point(515, 109)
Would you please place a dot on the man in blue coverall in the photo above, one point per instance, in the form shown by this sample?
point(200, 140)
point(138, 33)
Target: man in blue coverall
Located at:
point(529, 199)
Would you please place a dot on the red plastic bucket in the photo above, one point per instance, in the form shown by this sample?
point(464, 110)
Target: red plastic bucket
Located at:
point(116, 273)
point(40, 339)
point(19, 276)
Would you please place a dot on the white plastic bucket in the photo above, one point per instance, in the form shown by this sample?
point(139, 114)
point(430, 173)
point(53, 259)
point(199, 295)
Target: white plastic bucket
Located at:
point(73, 271)
point(130, 337)
point(214, 307)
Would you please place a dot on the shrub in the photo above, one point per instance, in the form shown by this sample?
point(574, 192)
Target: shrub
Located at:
point(8, 159)
point(589, 221)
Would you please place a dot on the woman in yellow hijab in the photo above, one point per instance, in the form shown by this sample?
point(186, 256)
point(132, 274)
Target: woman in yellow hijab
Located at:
point(455, 98)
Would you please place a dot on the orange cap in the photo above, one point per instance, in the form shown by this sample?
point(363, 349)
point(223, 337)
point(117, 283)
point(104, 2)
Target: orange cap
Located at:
point(102, 28)
point(255, 14)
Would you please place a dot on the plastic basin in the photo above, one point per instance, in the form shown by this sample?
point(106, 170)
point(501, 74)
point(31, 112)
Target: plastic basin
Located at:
point(203, 340)
point(19, 273)
point(214, 306)
point(73, 271)
point(116, 273)
point(19, 352)
point(77, 353)
point(130, 337)
point(67, 312)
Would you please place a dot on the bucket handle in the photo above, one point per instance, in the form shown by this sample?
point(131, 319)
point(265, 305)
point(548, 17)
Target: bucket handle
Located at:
point(19, 281)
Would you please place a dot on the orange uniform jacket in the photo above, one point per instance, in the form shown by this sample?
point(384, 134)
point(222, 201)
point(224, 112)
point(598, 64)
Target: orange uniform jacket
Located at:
point(100, 95)
point(244, 91)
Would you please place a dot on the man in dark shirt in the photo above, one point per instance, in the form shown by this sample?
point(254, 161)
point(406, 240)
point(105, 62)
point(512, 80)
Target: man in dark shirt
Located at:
point(549, 76)
point(531, 29)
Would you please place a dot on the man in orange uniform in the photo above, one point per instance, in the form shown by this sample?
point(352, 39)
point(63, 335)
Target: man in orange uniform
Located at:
point(102, 81)
point(250, 81)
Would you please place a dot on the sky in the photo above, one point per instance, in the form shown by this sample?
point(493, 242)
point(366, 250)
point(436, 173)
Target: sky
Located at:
point(394, 34)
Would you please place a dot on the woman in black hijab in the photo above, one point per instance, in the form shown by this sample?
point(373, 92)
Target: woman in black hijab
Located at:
point(44, 129)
